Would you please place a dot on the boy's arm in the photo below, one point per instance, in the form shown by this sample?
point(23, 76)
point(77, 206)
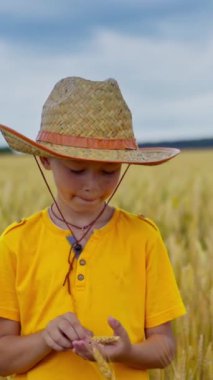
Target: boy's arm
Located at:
point(19, 353)
point(157, 351)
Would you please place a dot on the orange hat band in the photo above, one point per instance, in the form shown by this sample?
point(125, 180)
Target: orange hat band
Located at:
point(85, 142)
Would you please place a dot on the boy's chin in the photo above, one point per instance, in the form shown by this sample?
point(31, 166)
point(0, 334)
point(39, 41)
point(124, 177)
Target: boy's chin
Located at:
point(88, 204)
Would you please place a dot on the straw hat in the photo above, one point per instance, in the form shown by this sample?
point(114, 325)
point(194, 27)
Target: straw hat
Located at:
point(90, 120)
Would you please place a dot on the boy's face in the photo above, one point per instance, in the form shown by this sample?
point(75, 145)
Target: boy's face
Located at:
point(83, 185)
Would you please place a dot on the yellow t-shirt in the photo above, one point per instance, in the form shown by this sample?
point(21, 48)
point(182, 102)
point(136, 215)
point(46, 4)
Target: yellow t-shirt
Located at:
point(123, 271)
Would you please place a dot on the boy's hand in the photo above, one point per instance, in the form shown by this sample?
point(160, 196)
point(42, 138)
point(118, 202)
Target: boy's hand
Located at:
point(118, 351)
point(63, 330)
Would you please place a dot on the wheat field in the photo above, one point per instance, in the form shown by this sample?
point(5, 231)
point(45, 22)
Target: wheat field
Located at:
point(178, 196)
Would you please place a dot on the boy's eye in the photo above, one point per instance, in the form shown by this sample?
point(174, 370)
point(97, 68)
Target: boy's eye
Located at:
point(106, 172)
point(77, 171)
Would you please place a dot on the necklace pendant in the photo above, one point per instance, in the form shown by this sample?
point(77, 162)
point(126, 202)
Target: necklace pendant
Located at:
point(77, 249)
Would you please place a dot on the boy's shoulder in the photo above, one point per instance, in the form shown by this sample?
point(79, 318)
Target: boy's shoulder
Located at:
point(13, 226)
point(148, 221)
point(23, 223)
point(140, 221)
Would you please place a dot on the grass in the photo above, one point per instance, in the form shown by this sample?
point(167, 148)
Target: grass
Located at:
point(178, 197)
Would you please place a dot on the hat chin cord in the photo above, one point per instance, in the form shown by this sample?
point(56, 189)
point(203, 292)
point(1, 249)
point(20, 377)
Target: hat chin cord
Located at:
point(75, 245)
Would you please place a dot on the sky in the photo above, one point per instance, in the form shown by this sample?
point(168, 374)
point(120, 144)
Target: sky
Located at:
point(159, 51)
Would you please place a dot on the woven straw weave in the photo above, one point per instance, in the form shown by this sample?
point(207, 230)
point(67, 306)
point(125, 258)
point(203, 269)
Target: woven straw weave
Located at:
point(85, 108)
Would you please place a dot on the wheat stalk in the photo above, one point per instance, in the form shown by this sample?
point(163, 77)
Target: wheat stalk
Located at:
point(103, 364)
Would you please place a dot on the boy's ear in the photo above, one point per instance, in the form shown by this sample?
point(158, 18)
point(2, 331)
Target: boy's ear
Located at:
point(45, 161)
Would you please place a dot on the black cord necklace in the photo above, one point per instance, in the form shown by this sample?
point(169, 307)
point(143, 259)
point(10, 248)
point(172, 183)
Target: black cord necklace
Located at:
point(71, 224)
point(75, 243)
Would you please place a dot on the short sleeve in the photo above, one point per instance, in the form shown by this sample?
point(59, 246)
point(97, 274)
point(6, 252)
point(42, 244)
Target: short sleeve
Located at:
point(8, 297)
point(163, 300)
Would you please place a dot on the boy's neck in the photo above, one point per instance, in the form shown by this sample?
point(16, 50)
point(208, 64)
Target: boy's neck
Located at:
point(81, 218)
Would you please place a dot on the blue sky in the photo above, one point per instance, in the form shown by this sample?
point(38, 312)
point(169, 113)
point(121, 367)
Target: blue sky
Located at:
point(160, 51)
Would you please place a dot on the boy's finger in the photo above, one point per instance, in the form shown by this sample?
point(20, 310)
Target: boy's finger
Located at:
point(74, 330)
point(66, 328)
point(56, 332)
point(83, 349)
point(52, 344)
point(60, 339)
point(89, 333)
point(117, 327)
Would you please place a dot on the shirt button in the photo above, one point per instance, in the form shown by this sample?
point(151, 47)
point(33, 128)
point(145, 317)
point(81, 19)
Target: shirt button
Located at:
point(80, 277)
point(82, 262)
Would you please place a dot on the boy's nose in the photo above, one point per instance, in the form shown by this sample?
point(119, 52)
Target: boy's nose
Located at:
point(91, 182)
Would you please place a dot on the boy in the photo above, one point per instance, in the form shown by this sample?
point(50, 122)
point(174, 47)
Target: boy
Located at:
point(81, 267)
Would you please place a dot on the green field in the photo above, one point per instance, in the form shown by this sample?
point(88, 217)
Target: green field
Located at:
point(178, 196)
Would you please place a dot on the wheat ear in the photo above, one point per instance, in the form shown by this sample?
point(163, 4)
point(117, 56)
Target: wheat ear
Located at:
point(103, 365)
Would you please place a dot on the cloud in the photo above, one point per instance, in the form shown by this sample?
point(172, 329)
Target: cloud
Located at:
point(58, 25)
point(50, 9)
point(167, 85)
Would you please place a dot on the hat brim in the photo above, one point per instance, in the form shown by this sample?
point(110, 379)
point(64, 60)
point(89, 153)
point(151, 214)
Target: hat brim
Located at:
point(141, 156)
